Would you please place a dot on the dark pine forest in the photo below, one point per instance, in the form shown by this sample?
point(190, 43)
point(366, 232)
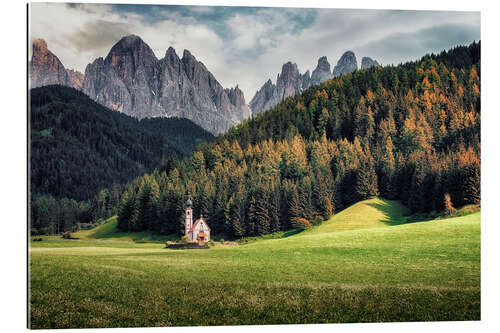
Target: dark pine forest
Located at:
point(82, 154)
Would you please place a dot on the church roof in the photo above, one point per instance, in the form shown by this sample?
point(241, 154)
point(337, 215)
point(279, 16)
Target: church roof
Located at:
point(196, 223)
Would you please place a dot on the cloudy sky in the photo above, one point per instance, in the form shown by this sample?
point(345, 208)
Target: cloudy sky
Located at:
point(245, 45)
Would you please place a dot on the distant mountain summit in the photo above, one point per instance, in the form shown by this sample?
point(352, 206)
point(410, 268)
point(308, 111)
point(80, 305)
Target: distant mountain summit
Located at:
point(132, 80)
point(346, 64)
point(290, 82)
point(45, 68)
point(368, 62)
point(322, 72)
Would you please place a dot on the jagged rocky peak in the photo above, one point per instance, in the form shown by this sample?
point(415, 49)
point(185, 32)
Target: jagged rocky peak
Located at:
point(45, 67)
point(131, 43)
point(129, 54)
point(171, 62)
point(306, 80)
point(288, 83)
point(367, 62)
point(236, 96)
point(131, 46)
point(170, 54)
point(322, 72)
point(190, 63)
point(346, 64)
point(289, 70)
point(196, 70)
point(40, 46)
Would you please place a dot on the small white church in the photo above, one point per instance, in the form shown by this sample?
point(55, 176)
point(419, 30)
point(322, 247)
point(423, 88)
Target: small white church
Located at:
point(199, 231)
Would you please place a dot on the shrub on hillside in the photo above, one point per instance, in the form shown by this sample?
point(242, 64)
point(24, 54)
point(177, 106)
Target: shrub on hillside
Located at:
point(317, 220)
point(301, 223)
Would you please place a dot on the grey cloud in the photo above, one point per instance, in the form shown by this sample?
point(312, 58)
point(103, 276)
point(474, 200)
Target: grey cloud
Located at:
point(300, 35)
point(399, 47)
point(97, 35)
point(89, 8)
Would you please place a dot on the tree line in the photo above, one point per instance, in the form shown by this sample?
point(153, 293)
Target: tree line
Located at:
point(409, 132)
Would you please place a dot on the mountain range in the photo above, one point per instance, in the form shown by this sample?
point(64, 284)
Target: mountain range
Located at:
point(132, 80)
point(290, 82)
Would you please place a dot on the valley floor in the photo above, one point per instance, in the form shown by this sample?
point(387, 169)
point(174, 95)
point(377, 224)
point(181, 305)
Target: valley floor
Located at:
point(393, 272)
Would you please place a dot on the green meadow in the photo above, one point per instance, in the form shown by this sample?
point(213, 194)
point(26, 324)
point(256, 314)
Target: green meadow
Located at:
point(365, 264)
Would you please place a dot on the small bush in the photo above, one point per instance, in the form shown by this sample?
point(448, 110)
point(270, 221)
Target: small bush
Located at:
point(301, 223)
point(222, 241)
point(318, 220)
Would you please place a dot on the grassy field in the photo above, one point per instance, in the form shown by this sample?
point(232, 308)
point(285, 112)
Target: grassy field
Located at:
point(376, 270)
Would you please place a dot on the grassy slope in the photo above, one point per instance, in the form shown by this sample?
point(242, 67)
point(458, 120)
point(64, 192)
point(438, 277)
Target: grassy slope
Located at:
point(375, 212)
point(418, 271)
point(108, 231)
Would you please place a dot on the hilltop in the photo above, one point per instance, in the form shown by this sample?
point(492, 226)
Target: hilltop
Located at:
point(371, 213)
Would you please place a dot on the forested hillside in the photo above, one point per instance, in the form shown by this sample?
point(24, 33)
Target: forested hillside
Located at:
point(409, 132)
point(80, 148)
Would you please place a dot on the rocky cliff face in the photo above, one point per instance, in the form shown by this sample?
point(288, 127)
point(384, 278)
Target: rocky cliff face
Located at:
point(368, 62)
point(44, 67)
point(346, 64)
point(75, 79)
point(126, 80)
point(322, 72)
point(133, 81)
point(288, 83)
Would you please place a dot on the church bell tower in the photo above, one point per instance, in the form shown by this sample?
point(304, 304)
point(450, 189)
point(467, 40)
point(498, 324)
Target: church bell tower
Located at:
point(189, 218)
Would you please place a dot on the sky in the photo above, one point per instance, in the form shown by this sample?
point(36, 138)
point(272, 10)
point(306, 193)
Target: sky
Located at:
point(246, 46)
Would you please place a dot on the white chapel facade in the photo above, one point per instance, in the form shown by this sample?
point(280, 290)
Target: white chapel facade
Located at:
point(199, 230)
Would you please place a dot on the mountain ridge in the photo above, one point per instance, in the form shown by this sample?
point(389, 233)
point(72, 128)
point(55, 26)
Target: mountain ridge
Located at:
point(132, 80)
point(271, 94)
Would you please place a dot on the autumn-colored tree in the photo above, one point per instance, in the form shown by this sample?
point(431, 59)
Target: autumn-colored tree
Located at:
point(301, 224)
point(448, 206)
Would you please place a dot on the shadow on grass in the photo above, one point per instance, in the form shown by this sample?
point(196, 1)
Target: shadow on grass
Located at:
point(291, 233)
point(394, 211)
